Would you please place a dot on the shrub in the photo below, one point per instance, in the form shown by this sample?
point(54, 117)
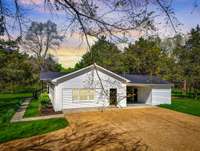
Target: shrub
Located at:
point(44, 99)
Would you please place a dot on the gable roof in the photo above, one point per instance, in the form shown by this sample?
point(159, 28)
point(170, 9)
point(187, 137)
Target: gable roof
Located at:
point(59, 77)
point(49, 75)
point(144, 79)
point(87, 69)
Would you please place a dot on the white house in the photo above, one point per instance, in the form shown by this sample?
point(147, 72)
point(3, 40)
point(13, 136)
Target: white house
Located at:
point(95, 86)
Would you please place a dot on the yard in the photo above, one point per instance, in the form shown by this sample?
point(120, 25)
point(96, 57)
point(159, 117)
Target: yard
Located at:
point(9, 103)
point(40, 107)
point(120, 129)
point(33, 108)
point(185, 105)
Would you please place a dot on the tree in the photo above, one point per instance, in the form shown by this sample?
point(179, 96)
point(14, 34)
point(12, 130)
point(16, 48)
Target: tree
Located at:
point(16, 69)
point(52, 65)
point(19, 71)
point(2, 29)
point(40, 38)
point(189, 59)
point(105, 54)
point(143, 56)
point(94, 17)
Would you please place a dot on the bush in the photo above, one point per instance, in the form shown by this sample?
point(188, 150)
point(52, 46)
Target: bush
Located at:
point(44, 99)
point(190, 94)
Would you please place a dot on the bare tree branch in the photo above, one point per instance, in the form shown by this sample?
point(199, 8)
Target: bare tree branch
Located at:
point(166, 10)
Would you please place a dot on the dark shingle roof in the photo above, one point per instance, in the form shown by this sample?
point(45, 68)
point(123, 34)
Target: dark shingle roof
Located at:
point(46, 76)
point(144, 79)
point(134, 78)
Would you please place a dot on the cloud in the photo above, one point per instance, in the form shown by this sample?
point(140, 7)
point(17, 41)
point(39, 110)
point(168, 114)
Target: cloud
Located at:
point(68, 56)
point(72, 49)
point(75, 45)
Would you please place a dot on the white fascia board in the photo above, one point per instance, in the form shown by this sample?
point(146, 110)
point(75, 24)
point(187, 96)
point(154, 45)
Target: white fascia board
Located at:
point(93, 65)
point(54, 80)
point(142, 84)
point(113, 73)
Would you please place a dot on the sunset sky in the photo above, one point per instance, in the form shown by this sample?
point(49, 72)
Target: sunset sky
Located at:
point(73, 47)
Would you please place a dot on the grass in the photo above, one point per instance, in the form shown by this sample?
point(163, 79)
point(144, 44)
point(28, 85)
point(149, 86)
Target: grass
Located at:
point(7, 109)
point(14, 95)
point(9, 103)
point(26, 129)
point(185, 105)
point(33, 108)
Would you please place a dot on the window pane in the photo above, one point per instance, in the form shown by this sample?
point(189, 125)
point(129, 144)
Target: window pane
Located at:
point(83, 94)
point(75, 94)
point(91, 94)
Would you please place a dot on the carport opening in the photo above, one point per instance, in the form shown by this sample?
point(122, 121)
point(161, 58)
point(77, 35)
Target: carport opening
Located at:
point(132, 95)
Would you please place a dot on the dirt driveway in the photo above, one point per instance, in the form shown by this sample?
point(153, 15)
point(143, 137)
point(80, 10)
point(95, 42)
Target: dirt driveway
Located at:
point(122, 129)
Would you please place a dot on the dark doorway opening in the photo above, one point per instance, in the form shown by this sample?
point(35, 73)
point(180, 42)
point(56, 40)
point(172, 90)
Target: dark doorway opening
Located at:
point(135, 95)
point(132, 95)
point(113, 96)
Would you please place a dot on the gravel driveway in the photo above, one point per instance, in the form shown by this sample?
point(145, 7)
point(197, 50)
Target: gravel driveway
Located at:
point(120, 129)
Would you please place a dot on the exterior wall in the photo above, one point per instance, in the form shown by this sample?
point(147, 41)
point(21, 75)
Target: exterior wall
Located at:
point(161, 96)
point(155, 95)
point(89, 80)
point(51, 93)
point(144, 95)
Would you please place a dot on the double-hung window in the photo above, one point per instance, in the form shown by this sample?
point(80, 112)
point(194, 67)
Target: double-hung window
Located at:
point(83, 94)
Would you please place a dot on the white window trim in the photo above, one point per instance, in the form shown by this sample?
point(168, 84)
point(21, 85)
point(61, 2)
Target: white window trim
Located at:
point(78, 101)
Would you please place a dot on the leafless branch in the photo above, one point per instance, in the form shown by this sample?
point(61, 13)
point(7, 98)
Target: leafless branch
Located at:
point(167, 12)
point(18, 16)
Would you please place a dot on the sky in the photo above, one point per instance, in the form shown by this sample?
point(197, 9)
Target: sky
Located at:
point(73, 47)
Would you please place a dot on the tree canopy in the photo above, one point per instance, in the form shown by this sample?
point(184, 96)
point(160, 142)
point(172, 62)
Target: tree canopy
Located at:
point(143, 56)
point(40, 38)
point(189, 59)
point(113, 18)
point(178, 62)
point(16, 69)
point(105, 54)
point(19, 71)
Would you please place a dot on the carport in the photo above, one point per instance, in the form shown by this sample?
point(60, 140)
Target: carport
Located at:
point(138, 94)
point(144, 89)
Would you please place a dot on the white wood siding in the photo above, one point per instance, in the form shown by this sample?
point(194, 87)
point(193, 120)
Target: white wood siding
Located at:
point(144, 95)
point(161, 96)
point(66, 97)
point(69, 103)
point(51, 93)
point(61, 94)
point(64, 91)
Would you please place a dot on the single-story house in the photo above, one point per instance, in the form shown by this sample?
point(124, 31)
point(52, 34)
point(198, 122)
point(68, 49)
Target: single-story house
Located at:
point(95, 86)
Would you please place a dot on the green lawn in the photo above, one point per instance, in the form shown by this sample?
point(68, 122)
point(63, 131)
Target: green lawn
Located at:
point(185, 105)
point(26, 129)
point(9, 103)
point(33, 108)
point(15, 96)
point(7, 109)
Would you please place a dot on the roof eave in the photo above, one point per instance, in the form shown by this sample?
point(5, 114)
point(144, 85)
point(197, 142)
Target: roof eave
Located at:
point(146, 84)
point(123, 78)
point(93, 66)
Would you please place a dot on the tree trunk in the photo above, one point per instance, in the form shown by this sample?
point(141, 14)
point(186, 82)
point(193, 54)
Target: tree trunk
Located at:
point(185, 87)
point(195, 94)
